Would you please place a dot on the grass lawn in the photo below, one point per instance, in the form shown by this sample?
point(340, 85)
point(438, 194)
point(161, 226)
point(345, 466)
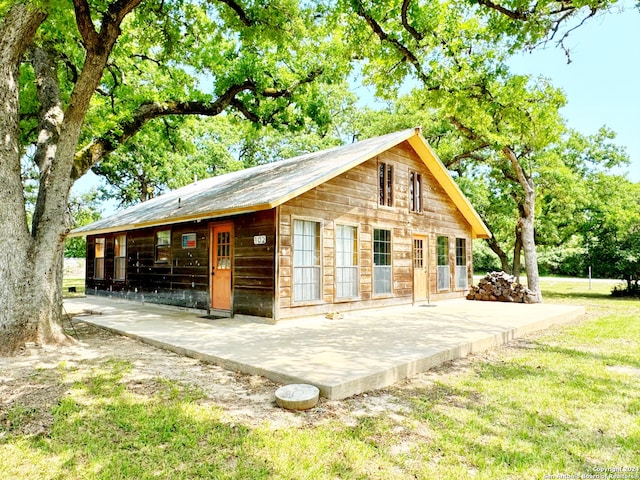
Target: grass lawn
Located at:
point(563, 402)
point(68, 284)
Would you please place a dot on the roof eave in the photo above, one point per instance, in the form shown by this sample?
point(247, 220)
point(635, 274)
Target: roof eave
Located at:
point(171, 221)
point(440, 172)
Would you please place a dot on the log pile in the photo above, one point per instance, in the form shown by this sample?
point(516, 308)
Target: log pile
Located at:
point(500, 287)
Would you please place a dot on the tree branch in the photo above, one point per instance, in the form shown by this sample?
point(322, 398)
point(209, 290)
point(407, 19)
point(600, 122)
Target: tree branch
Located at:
point(472, 154)
point(118, 10)
point(51, 114)
point(385, 37)
point(242, 108)
point(525, 182)
point(513, 14)
point(565, 10)
point(98, 47)
point(85, 24)
point(70, 66)
point(466, 131)
point(568, 32)
point(419, 36)
point(405, 22)
point(240, 12)
point(100, 147)
point(288, 92)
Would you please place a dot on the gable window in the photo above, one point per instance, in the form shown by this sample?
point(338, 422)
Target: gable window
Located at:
point(444, 276)
point(163, 246)
point(120, 257)
point(385, 184)
point(381, 261)
point(346, 261)
point(98, 266)
point(461, 263)
point(415, 192)
point(306, 260)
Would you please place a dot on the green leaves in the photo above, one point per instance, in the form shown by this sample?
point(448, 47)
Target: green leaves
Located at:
point(275, 63)
point(504, 129)
point(167, 153)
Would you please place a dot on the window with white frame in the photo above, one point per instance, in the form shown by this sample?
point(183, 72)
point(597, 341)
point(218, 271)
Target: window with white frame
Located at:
point(461, 263)
point(163, 246)
point(444, 275)
point(346, 261)
point(120, 257)
point(381, 261)
point(306, 260)
point(98, 266)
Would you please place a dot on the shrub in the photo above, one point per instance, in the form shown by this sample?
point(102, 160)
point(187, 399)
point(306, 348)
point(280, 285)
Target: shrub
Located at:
point(630, 290)
point(484, 260)
point(562, 261)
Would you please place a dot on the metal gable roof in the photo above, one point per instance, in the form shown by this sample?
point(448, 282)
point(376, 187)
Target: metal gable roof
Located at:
point(252, 189)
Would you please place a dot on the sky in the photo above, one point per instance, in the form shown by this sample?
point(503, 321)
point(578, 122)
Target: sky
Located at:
point(602, 82)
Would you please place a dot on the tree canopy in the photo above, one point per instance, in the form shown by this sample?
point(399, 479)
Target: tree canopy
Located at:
point(456, 54)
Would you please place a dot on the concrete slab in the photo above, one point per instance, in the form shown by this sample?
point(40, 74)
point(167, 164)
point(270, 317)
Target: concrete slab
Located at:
point(342, 357)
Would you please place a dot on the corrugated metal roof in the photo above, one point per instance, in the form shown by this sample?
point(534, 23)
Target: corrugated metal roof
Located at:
point(252, 189)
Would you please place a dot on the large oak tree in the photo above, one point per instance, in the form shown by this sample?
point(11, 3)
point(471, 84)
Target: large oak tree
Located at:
point(79, 78)
point(456, 53)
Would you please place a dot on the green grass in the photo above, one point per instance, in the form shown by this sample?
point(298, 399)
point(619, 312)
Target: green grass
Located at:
point(78, 283)
point(566, 401)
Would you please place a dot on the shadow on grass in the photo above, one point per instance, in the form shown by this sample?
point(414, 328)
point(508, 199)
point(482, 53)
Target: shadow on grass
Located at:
point(104, 430)
point(550, 295)
point(604, 359)
point(542, 416)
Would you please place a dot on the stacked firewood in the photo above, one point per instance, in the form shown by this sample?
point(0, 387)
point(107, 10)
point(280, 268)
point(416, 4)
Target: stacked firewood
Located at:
point(500, 287)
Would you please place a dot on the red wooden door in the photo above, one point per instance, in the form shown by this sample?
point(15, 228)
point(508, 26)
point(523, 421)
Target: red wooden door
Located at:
point(221, 262)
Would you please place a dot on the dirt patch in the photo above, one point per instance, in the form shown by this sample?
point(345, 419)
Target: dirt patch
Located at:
point(34, 382)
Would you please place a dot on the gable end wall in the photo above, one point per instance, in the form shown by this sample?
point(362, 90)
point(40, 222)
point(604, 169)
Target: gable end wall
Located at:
point(352, 199)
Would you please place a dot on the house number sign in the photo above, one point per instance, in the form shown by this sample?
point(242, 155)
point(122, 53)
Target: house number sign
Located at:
point(259, 239)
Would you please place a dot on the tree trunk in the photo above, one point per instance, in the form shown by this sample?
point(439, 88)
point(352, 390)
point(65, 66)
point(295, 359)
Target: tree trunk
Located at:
point(31, 261)
point(501, 254)
point(517, 250)
point(30, 271)
point(526, 225)
point(32, 303)
point(531, 257)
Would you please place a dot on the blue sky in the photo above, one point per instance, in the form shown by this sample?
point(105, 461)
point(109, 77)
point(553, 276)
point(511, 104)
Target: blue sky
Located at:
point(602, 83)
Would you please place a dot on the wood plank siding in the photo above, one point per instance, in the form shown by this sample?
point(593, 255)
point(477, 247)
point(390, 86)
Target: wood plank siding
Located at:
point(182, 279)
point(352, 198)
point(254, 265)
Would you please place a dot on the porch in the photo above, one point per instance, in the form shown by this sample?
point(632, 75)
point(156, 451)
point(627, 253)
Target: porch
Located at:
point(361, 351)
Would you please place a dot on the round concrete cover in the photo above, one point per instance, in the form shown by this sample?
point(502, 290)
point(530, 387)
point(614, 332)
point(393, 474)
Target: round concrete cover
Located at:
point(297, 396)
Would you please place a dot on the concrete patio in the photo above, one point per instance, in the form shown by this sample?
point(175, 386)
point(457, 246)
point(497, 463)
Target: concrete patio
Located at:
point(342, 357)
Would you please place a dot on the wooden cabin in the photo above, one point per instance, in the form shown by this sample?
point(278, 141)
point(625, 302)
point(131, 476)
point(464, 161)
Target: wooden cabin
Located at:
point(375, 223)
